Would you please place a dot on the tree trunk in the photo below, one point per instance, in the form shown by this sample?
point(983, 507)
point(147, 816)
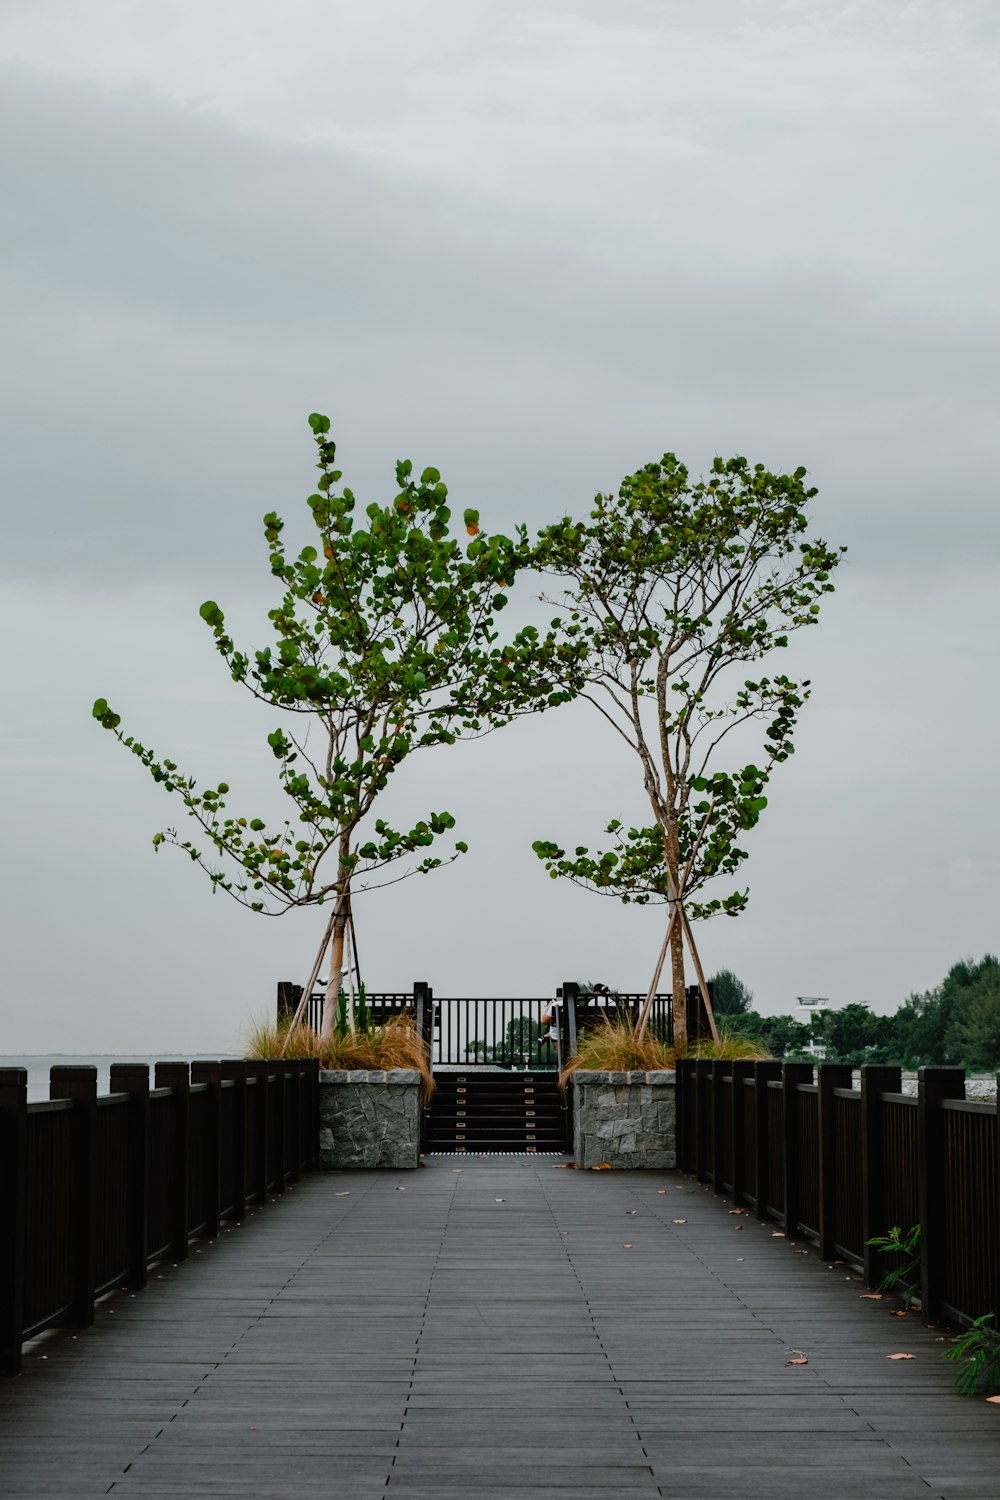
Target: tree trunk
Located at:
point(680, 993)
point(336, 966)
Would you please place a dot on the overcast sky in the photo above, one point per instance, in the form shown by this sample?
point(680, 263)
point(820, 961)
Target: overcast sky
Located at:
point(536, 245)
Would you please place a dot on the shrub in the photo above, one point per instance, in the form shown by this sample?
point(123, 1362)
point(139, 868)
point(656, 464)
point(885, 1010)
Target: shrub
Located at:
point(395, 1044)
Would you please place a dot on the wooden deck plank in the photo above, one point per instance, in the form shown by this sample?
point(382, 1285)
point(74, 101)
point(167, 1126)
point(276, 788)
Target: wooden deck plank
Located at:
point(569, 1338)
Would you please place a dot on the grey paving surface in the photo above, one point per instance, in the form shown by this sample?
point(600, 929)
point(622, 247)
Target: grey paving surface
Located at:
point(498, 1328)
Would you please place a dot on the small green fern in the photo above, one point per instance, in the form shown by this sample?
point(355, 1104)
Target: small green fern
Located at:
point(904, 1278)
point(978, 1352)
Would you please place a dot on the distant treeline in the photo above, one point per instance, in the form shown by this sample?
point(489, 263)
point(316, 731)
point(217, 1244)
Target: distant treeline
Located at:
point(958, 1022)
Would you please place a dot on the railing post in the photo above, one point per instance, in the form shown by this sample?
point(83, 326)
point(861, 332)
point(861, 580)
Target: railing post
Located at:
point(312, 1067)
point(570, 995)
point(176, 1076)
point(763, 1074)
point(289, 995)
point(14, 1176)
point(211, 1074)
point(792, 1074)
point(741, 1070)
point(278, 1123)
point(933, 1085)
point(80, 1085)
point(295, 1156)
point(876, 1079)
point(236, 1070)
point(702, 1073)
point(133, 1079)
point(262, 1096)
point(829, 1076)
point(719, 1069)
point(681, 1086)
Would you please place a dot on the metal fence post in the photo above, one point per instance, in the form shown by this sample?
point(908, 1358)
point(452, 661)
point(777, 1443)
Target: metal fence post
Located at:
point(177, 1076)
point(876, 1079)
point(80, 1085)
point(792, 1074)
point(14, 1177)
point(933, 1085)
point(210, 1073)
point(829, 1076)
point(763, 1074)
point(133, 1079)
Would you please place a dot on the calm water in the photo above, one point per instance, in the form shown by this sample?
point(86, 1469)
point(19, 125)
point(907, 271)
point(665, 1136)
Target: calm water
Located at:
point(38, 1066)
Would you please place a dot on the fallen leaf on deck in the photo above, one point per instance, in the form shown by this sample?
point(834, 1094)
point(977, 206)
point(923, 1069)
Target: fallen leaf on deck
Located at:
point(458, 1169)
point(901, 1356)
point(400, 1189)
point(345, 1194)
point(899, 1312)
point(777, 1234)
point(605, 1166)
point(661, 1191)
point(678, 1221)
point(499, 1200)
point(564, 1166)
point(871, 1296)
point(626, 1247)
point(631, 1212)
point(737, 1226)
point(739, 1258)
point(800, 1361)
point(993, 1400)
point(737, 1210)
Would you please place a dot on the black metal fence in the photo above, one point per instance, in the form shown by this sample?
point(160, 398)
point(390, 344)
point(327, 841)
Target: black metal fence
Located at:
point(96, 1188)
point(838, 1165)
point(502, 1032)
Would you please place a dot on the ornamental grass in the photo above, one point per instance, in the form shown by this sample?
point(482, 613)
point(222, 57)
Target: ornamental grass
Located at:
point(394, 1044)
point(614, 1046)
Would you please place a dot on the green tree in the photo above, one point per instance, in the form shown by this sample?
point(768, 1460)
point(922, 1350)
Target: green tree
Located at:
point(385, 645)
point(783, 1036)
point(851, 1034)
point(674, 589)
point(730, 996)
point(973, 1033)
point(941, 1025)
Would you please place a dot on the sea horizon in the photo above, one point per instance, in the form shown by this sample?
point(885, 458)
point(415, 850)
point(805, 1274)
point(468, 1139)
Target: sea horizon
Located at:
point(37, 1064)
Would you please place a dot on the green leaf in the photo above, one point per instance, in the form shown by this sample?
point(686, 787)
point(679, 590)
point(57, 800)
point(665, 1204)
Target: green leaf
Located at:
point(319, 423)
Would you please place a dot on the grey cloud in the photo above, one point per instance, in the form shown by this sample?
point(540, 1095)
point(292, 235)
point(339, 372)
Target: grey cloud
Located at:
point(181, 295)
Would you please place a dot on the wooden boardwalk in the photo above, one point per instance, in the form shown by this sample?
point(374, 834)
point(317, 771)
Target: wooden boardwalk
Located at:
point(499, 1328)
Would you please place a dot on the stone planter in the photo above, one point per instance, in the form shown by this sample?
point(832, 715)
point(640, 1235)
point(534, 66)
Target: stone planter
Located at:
point(625, 1120)
point(369, 1119)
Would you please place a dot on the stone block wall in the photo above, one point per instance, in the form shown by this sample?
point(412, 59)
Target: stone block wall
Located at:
point(625, 1120)
point(369, 1119)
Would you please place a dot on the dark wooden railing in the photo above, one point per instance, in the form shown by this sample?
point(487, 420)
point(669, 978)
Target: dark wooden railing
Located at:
point(838, 1165)
point(96, 1188)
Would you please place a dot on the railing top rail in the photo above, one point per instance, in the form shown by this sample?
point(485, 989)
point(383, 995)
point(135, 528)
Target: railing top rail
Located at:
point(969, 1106)
point(851, 1094)
point(888, 1098)
point(49, 1106)
point(119, 1098)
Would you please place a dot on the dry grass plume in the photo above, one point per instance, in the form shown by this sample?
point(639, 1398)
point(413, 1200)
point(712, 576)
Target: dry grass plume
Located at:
point(395, 1044)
